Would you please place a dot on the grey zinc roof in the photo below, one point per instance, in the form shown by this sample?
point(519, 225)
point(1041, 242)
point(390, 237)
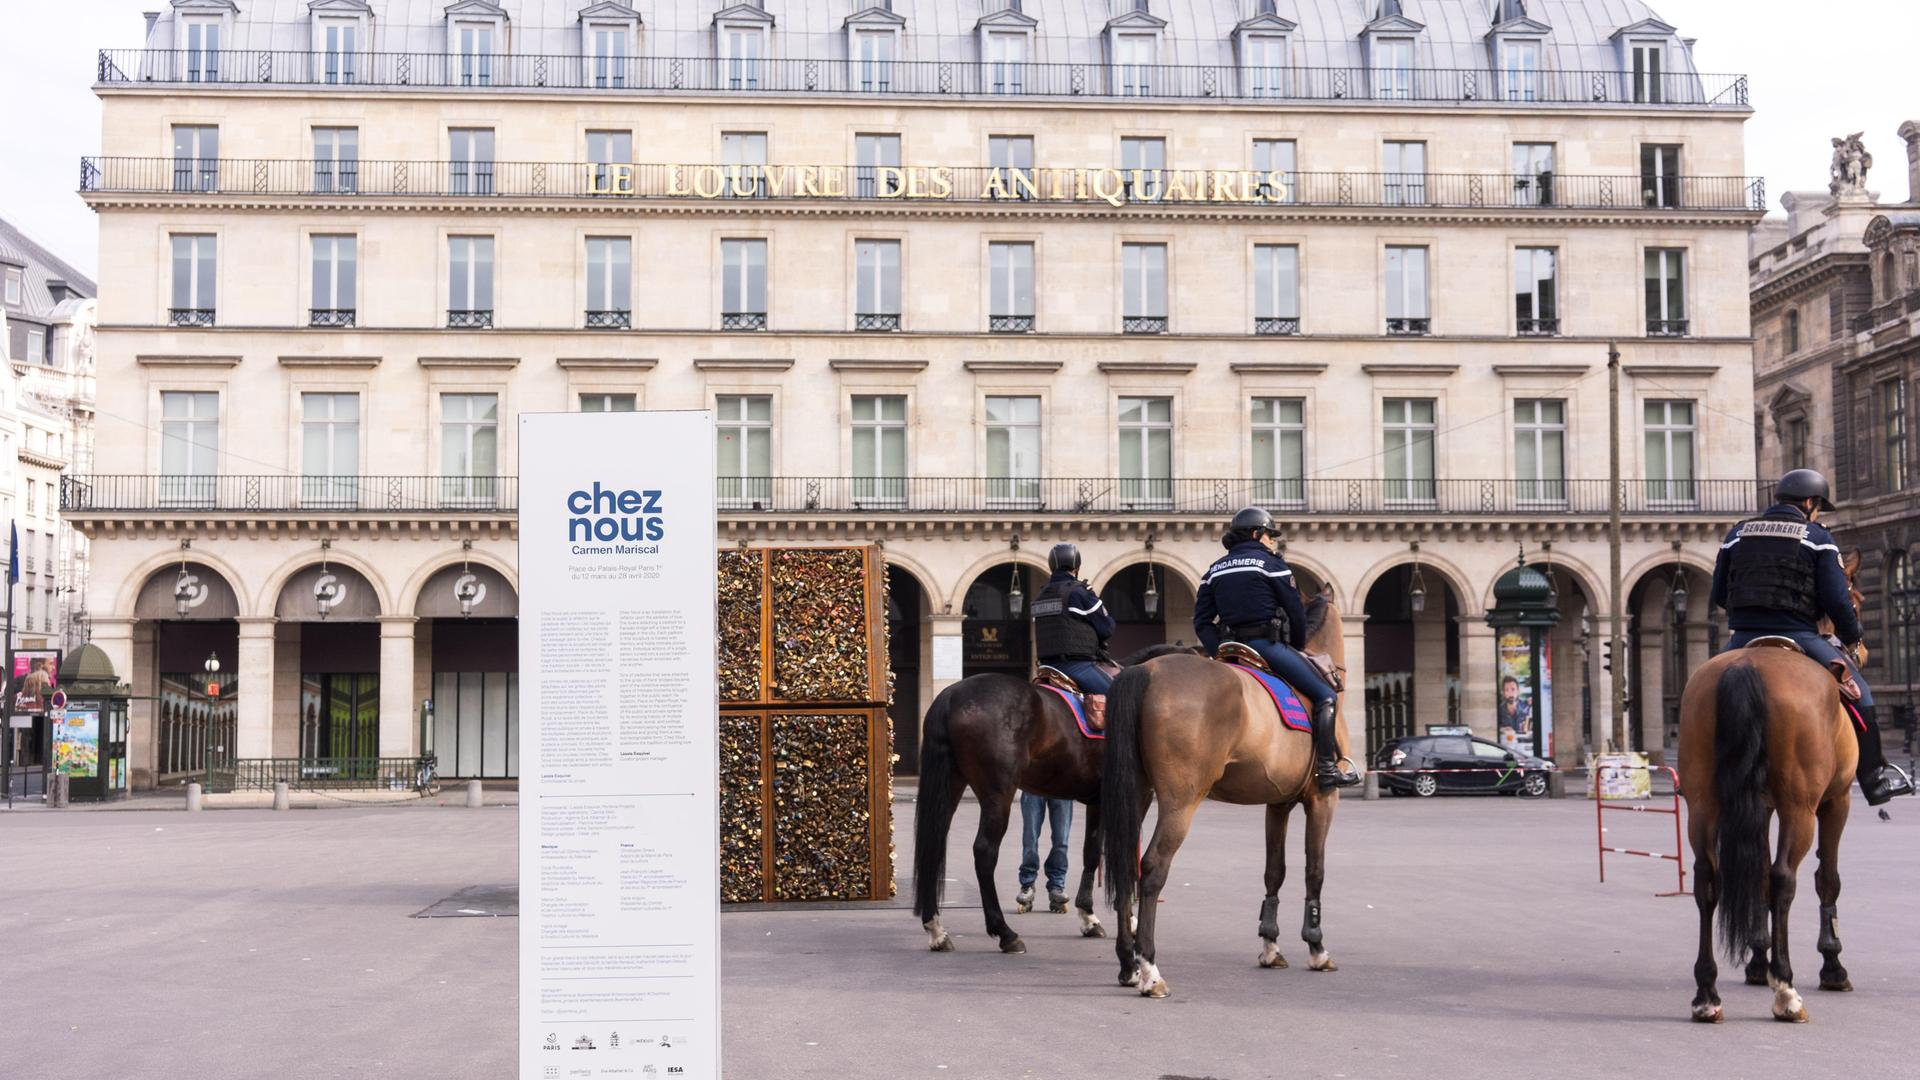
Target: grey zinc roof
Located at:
point(39, 267)
point(1198, 31)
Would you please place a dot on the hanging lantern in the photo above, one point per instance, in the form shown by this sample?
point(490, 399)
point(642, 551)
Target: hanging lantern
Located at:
point(1417, 589)
point(1679, 594)
point(1152, 599)
point(1016, 593)
point(182, 593)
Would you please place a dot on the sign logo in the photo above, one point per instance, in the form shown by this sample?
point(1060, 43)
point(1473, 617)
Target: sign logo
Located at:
point(607, 515)
point(461, 583)
point(329, 590)
point(195, 589)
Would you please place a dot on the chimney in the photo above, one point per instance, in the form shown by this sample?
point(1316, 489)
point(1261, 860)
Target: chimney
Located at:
point(151, 17)
point(1910, 131)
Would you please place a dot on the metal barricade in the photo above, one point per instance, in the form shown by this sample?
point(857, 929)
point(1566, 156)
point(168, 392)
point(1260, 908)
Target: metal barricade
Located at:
point(1601, 806)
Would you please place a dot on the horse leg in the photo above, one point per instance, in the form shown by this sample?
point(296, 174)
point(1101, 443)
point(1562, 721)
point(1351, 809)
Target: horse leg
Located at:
point(1706, 885)
point(1319, 820)
point(1826, 881)
point(1169, 832)
point(1089, 863)
point(1278, 815)
point(938, 940)
point(1796, 836)
point(1757, 966)
point(995, 808)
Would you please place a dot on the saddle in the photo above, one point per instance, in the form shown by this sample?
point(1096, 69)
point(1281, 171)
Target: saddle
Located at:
point(1232, 652)
point(1849, 689)
point(1089, 710)
point(1053, 676)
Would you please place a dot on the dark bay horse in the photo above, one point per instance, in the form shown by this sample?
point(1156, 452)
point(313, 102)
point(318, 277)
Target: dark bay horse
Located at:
point(1763, 733)
point(1181, 729)
point(999, 735)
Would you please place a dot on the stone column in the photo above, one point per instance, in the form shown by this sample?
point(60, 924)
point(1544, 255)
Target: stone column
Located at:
point(1353, 699)
point(253, 670)
point(1479, 682)
point(1430, 664)
point(399, 724)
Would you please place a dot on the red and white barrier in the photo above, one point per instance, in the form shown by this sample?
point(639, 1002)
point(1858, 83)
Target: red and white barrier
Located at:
point(1601, 806)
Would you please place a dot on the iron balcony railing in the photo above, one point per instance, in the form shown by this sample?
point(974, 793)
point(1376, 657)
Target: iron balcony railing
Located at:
point(1090, 186)
point(1409, 327)
point(871, 321)
point(610, 320)
point(331, 317)
point(743, 320)
point(190, 316)
point(350, 72)
point(303, 494)
point(1544, 327)
point(1143, 324)
point(336, 773)
point(1666, 328)
point(475, 319)
point(1010, 324)
point(1277, 327)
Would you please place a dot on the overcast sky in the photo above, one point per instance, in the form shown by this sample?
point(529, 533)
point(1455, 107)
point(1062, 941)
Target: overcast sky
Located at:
point(1813, 78)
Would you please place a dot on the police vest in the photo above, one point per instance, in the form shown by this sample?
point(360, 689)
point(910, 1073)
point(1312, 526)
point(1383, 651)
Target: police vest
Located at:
point(1059, 634)
point(1772, 570)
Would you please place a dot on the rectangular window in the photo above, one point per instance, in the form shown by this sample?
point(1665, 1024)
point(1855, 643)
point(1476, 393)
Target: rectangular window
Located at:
point(469, 447)
point(606, 149)
point(470, 281)
point(1521, 70)
point(1797, 443)
point(1013, 449)
point(203, 50)
point(329, 449)
point(1146, 450)
point(1536, 292)
point(1276, 289)
point(1263, 66)
point(609, 283)
point(608, 402)
point(744, 458)
point(743, 286)
point(36, 346)
point(196, 157)
point(1403, 180)
point(1540, 451)
point(1666, 293)
point(742, 48)
point(609, 57)
point(1280, 451)
point(1276, 162)
point(1667, 427)
point(1407, 291)
point(336, 159)
point(873, 61)
point(1660, 175)
point(189, 446)
point(871, 153)
point(1010, 305)
point(1893, 434)
point(880, 449)
point(1533, 174)
point(337, 50)
point(1144, 287)
point(876, 302)
point(1143, 163)
point(744, 153)
point(1006, 63)
point(1393, 68)
point(13, 287)
point(193, 281)
point(1134, 59)
point(335, 281)
point(1408, 429)
point(470, 171)
point(1649, 81)
point(1013, 155)
point(476, 53)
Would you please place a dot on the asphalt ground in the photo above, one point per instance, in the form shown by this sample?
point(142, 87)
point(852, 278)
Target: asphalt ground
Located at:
point(1472, 936)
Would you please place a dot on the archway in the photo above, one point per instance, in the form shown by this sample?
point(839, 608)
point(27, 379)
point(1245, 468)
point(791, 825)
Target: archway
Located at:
point(469, 617)
point(906, 614)
point(194, 615)
point(994, 636)
point(1150, 605)
point(1671, 631)
point(1413, 655)
point(328, 616)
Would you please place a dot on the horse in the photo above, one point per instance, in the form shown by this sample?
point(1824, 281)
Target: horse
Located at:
point(1763, 732)
point(1185, 728)
point(999, 734)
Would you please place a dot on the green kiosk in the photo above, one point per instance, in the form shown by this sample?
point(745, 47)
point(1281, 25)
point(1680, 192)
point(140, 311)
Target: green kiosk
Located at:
point(88, 729)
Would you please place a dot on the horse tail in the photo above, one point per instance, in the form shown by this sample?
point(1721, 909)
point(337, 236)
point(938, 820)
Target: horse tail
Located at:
point(1740, 786)
point(930, 810)
point(1120, 778)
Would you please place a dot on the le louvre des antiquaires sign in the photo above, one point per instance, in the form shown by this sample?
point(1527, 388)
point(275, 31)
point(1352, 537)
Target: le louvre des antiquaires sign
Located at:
point(944, 183)
point(619, 747)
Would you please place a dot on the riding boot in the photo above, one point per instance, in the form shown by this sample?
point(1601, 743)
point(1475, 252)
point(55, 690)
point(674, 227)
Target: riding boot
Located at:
point(1096, 711)
point(1879, 780)
point(1326, 750)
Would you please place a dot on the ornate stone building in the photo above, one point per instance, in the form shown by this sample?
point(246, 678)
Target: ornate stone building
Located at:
point(962, 278)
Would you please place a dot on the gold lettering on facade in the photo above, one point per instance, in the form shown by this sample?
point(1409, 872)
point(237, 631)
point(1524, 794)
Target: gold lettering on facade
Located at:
point(996, 187)
point(1177, 190)
point(890, 181)
point(708, 182)
point(1024, 186)
point(835, 179)
point(942, 182)
point(1114, 187)
point(676, 181)
point(1110, 187)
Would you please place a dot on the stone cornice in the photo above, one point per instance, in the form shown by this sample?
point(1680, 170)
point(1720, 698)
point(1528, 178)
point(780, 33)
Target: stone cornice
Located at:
point(330, 361)
point(1671, 371)
point(1509, 371)
point(1034, 367)
point(878, 365)
point(185, 360)
point(1409, 369)
point(607, 363)
point(1147, 367)
point(1816, 273)
point(732, 363)
point(481, 363)
point(1273, 367)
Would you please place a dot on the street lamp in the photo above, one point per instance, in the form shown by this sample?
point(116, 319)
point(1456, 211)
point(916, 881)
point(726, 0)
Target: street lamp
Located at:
point(1016, 594)
point(212, 667)
point(1151, 601)
point(1679, 594)
point(1417, 590)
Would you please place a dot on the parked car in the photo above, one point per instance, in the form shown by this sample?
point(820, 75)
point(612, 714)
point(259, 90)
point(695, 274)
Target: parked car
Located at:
point(1495, 769)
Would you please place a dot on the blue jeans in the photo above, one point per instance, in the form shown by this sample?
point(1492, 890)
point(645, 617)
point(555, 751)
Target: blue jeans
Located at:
point(1032, 809)
point(1092, 680)
point(1816, 646)
point(1293, 667)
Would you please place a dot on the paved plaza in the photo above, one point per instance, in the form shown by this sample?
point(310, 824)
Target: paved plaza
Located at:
point(1472, 939)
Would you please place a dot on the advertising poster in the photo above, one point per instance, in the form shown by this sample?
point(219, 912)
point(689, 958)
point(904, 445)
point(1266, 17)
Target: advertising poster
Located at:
point(76, 743)
point(1523, 723)
point(619, 748)
point(1621, 776)
point(35, 674)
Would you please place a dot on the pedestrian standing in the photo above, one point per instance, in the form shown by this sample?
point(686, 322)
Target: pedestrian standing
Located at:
point(1033, 810)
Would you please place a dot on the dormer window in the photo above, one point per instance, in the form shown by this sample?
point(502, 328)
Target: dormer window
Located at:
point(1006, 47)
point(337, 50)
point(476, 53)
point(202, 28)
point(1261, 45)
point(1133, 46)
point(475, 29)
point(608, 39)
point(1393, 68)
point(339, 30)
point(740, 37)
point(873, 60)
point(1520, 69)
point(1649, 69)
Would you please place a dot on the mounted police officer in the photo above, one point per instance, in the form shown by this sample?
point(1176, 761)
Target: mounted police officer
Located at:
point(1251, 592)
point(1777, 574)
point(1071, 627)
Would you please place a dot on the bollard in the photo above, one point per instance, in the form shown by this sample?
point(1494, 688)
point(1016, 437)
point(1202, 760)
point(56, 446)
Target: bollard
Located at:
point(281, 800)
point(474, 801)
point(193, 796)
point(57, 790)
point(1371, 788)
point(1556, 785)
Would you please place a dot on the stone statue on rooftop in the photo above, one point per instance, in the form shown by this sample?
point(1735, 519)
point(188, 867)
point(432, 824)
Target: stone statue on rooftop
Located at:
point(1850, 164)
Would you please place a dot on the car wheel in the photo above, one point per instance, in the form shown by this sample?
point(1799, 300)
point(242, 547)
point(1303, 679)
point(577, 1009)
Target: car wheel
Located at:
point(1426, 785)
point(1534, 785)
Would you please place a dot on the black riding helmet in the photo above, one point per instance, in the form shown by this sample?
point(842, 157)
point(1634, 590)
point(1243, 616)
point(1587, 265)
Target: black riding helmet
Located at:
point(1247, 525)
point(1064, 557)
point(1801, 485)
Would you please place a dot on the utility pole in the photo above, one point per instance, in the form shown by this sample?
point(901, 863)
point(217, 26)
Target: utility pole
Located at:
point(1618, 738)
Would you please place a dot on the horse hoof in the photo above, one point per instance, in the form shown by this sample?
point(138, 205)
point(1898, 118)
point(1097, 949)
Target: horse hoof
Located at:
point(1839, 986)
point(1794, 1016)
point(945, 944)
point(1322, 962)
point(1093, 931)
point(1130, 978)
point(1157, 990)
point(1013, 946)
point(1706, 1014)
point(1270, 956)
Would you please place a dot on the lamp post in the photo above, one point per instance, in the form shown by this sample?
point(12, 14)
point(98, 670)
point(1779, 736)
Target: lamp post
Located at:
point(1417, 588)
point(212, 667)
point(1586, 683)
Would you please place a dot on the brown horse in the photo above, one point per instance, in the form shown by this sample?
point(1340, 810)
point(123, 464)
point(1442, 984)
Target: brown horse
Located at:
point(1181, 729)
point(1763, 732)
point(1000, 735)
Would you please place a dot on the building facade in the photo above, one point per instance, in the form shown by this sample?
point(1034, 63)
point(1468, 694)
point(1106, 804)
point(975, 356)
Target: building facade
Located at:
point(1836, 316)
point(965, 279)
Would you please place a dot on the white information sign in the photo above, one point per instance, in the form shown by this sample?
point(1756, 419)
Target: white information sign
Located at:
point(619, 748)
point(948, 657)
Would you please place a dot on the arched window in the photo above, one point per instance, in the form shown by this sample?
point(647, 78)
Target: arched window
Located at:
point(1793, 332)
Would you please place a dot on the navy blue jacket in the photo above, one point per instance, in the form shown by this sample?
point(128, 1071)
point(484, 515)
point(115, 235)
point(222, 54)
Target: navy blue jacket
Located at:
point(1083, 604)
point(1248, 585)
point(1833, 597)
